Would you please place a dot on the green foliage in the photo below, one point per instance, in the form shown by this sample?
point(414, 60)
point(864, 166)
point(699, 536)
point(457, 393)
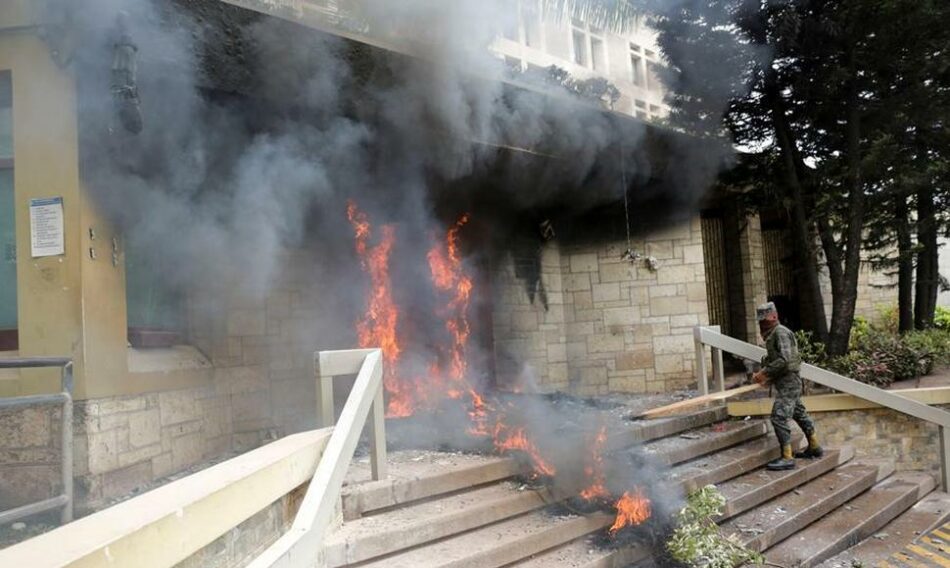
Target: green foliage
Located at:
point(879, 356)
point(942, 318)
point(811, 349)
point(697, 540)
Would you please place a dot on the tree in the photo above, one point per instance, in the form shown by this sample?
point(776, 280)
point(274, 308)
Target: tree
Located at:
point(819, 88)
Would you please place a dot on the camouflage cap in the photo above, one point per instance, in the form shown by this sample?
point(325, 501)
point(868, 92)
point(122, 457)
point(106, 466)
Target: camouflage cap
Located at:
point(764, 310)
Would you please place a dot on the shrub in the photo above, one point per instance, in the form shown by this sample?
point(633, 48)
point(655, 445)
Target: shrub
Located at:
point(697, 541)
point(932, 347)
point(811, 350)
point(942, 318)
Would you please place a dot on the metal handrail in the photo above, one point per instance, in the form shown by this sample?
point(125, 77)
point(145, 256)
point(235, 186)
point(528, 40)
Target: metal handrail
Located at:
point(718, 342)
point(64, 500)
point(302, 545)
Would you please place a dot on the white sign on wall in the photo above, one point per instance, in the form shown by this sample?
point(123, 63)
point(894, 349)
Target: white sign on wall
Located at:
point(46, 226)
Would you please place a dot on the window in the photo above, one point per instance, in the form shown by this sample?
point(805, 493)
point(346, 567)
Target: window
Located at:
point(156, 309)
point(640, 104)
point(580, 48)
point(654, 109)
point(8, 292)
point(531, 22)
point(636, 66)
point(653, 77)
point(526, 27)
point(589, 46)
point(641, 115)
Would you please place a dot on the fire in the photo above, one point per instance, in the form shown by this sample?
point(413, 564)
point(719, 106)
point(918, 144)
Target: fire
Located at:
point(448, 376)
point(632, 509)
point(511, 439)
point(377, 327)
point(594, 469)
point(449, 276)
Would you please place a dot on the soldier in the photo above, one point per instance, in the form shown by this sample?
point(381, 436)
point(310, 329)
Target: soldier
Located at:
point(780, 368)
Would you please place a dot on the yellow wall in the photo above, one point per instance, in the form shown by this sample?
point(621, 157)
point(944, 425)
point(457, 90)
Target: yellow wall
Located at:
point(72, 304)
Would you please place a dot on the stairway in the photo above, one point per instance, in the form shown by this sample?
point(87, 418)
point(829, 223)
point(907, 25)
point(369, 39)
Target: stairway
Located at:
point(441, 510)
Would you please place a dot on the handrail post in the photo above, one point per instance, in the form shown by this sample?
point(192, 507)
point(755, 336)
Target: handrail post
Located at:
point(702, 382)
point(66, 515)
point(944, 459)
point(719, 374)
point(325, 412)
point(377, 438)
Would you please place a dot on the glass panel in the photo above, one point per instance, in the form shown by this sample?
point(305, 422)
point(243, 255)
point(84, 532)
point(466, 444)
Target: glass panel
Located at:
point(8, 294)
point(151, 303)
point(6, 116)
point(636, 70)
point(8, 312)
point(531, 17)
point(598, 57)
point(580, 48)
point(654, 72)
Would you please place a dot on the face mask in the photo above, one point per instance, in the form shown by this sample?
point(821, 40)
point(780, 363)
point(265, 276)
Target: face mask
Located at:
point(765, 326)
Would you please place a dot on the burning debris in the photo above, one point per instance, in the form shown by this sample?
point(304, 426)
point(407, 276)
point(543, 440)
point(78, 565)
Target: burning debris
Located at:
point(448, 394)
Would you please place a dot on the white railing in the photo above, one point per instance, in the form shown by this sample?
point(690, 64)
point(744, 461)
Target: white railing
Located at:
point(302, 545)
point(712, 337)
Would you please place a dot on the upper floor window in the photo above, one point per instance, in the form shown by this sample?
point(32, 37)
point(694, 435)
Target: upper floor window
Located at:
point(654, 72)
point(589, 46)
point(527, 28)
point(8, 283)
point(637, 68)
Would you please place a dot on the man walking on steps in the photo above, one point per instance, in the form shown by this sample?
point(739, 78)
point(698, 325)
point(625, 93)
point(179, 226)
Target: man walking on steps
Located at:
point(780, 368)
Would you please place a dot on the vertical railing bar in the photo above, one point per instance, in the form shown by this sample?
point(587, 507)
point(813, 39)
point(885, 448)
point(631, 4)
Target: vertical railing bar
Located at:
point(325, 411)
point(944, 459)
point(701, 381)
point(67, 434)
point(378, 460)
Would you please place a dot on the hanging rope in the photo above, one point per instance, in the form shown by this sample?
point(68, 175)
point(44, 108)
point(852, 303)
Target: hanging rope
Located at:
point(623, 182)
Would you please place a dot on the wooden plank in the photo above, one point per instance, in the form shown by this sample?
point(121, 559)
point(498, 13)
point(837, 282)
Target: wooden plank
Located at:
point(689, 403)
point(838, 402)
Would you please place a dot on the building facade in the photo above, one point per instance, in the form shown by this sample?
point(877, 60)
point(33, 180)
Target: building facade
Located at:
point(167, 380)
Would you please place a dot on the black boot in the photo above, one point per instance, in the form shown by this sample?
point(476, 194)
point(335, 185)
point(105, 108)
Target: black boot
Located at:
point(812, 451)
point(784, 463)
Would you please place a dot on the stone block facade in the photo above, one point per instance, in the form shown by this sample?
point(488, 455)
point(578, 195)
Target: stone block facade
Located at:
point(30, 455)
point(913, 444)
point(602, 324)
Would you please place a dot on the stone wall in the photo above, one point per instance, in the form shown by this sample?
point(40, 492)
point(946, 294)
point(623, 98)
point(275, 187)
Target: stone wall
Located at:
point(30, 456)
point(125, 443)
point(882, 433)
point(610, 325)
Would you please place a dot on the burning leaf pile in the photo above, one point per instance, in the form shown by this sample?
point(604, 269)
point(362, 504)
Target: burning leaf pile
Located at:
point(448, 378)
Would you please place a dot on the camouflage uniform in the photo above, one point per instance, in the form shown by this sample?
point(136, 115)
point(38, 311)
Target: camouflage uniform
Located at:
point(782, 364)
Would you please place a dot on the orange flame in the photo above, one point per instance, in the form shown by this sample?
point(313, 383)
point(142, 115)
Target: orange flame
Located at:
point(448, 275)
point(632, 509)
point(514, 439)
point(594, 469)
point(377, 327)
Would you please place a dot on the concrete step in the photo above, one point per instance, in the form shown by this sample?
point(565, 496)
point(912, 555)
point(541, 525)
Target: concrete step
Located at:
point(857, 520)
point(377, 535)
point(729, 463)
point(412, 481)
point(585, 553)
point(760, 485)
point(778, 519)
point(642, 431)
point(498, 545)
point(703, 441)
point(932, 511)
